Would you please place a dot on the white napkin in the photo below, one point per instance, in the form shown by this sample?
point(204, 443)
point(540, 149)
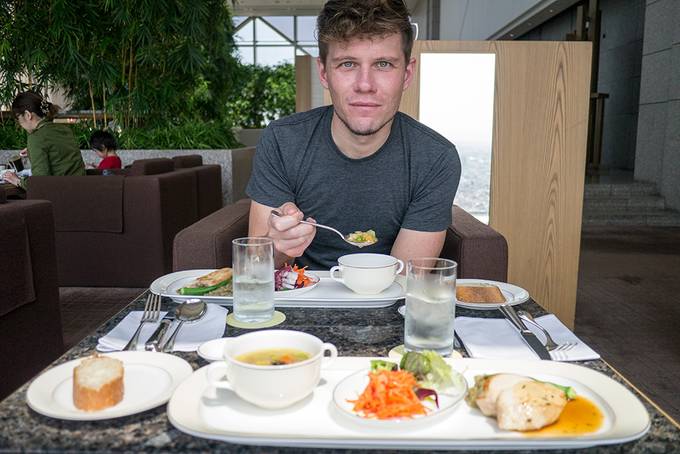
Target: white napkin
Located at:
point(191, 335)
point(497, 338)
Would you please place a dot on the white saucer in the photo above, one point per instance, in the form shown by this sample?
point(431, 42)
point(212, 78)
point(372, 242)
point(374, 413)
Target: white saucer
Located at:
point(213, 349)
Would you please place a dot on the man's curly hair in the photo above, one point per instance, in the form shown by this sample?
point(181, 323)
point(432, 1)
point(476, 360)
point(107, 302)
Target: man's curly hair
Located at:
point(344, 20)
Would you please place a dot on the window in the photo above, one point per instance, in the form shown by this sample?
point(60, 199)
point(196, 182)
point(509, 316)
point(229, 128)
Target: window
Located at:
point(273, 40)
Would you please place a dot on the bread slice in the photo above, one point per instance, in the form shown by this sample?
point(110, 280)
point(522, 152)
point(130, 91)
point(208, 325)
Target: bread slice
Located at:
point(213, 278)
point(98, 383)
point(489, 294)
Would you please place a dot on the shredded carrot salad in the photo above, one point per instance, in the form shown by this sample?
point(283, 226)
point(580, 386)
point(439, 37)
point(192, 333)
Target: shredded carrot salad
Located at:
point(389, 394)
point(302, 279)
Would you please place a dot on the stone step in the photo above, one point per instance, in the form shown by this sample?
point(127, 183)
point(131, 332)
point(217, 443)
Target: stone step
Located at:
point(663, 218)
point(623, 204)
point(619, 190)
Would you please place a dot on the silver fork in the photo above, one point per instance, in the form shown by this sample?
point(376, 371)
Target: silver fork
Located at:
point(550, 344)
point(321, 226)
point(152, 312)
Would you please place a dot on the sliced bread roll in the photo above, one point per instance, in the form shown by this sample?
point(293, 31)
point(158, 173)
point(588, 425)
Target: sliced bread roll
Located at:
point(479, 294)
point(98, 383)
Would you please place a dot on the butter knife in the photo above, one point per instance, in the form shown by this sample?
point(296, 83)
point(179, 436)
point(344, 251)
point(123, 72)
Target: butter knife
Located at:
point(527, 335)
point(155, 340)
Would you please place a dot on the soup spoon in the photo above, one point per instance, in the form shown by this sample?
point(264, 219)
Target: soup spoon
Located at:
point(188, 311)
point(344, 237)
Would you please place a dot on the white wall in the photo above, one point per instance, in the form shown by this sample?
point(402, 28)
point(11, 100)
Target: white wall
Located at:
point(657, 154)
point(479, 19)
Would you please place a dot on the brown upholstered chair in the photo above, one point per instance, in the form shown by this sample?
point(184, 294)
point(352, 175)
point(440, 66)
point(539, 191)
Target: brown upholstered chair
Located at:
point(208, 182)
point(117, 230)
point(30, 318)
point(480, 251)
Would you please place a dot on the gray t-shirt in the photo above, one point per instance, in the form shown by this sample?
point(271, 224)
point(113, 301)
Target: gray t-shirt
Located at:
point(409, 182)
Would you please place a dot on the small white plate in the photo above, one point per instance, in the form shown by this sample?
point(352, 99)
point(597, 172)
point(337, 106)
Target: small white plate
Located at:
point(149, 381)
point(512, 293)
point(351, 388)
point(213, 350)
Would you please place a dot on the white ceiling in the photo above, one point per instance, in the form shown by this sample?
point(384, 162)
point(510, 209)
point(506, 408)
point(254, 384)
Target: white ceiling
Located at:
point(284, 7)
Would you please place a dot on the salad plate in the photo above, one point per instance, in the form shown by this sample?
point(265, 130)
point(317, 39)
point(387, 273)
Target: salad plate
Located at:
point(149, 381)
point(325, 293)
point(349, 389)
point(198, 409)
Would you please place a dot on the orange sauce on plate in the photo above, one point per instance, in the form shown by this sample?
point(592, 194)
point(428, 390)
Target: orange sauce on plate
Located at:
point(579, 417)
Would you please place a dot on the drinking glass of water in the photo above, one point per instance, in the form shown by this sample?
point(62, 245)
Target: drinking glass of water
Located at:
point(430, 305)
point(253, 279)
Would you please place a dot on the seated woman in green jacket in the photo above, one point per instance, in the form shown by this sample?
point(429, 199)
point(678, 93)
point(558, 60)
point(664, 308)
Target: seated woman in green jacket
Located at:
point(52, 147)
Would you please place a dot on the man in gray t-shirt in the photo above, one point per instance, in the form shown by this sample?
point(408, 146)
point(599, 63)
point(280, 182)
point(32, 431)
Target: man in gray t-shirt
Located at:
point(359, 164)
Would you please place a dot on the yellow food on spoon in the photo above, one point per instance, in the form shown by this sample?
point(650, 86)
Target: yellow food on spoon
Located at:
point(363, 237)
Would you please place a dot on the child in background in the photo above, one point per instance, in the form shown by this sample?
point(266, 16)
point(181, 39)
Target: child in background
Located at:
point(104, 144)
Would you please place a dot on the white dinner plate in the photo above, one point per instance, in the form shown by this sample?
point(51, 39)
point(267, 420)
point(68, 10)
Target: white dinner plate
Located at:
point(149, 380)
point(172, 289)
point(351, 387)
point(327, 293)
point(201, 410)
point(512, 293)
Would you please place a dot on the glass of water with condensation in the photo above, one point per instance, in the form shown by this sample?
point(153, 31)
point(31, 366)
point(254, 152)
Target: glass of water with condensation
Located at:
point(253, 279)
point(430, 305)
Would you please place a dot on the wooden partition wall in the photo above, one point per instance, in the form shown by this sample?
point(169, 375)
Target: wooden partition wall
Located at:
point(538, 163)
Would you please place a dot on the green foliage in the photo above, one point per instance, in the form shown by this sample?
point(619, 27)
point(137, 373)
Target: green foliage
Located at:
point(196, 134)
point(163, 70)
point(12, 137)
point(262, 94)
point(140, 60)
point(185, 135)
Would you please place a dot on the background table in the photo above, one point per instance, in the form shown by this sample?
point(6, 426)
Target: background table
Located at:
point(356, 332)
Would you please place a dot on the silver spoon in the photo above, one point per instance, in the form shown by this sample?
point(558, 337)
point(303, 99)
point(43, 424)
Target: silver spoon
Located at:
point(188, 311)
point(344, 237)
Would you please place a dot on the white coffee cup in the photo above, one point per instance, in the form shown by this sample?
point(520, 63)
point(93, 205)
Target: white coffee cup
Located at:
point(271, 387)
point(367, 274)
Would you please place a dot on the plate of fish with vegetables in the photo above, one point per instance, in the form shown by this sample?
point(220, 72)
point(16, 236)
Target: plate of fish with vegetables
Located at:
point(217, 285)
point(418, 389)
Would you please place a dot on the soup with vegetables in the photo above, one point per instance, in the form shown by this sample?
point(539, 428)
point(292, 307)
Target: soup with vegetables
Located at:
point(274, 357)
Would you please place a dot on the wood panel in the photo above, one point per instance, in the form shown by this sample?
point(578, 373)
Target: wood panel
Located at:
point(303, 83)
point(538, 162)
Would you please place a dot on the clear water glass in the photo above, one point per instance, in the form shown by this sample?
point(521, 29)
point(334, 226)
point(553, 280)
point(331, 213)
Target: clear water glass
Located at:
point(430, 305)
point(253, 279)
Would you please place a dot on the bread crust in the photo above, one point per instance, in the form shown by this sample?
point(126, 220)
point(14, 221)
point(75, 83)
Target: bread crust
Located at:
point(89, 399)
point(93, 399)
point(489, 294)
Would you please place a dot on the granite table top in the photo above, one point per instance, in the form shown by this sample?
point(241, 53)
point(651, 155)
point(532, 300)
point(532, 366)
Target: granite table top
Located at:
point(356, 332)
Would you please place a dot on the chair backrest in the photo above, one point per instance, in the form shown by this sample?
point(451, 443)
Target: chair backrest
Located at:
point(30, 317)
point(152, 166)
point(186, 161)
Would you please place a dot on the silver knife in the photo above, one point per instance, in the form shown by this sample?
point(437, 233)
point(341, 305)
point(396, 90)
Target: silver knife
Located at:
point(527, 335)
point(155, 340)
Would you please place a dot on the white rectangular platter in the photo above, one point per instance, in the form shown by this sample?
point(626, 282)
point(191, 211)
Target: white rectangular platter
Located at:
point(203, 411)
point(327, 293)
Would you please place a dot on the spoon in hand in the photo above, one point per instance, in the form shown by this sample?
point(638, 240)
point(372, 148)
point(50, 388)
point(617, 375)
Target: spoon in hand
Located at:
point(345, 238)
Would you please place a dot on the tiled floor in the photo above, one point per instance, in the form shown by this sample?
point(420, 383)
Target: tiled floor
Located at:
point(628, 306)
point(85, 308)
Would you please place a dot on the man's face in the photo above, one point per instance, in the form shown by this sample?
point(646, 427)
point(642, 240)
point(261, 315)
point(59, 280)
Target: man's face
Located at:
point(366, 78)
